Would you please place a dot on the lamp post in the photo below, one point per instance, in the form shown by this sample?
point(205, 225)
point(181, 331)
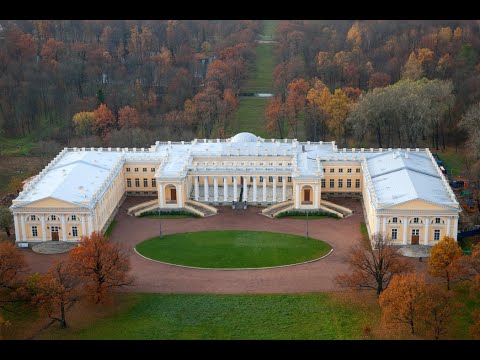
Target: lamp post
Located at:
point(307, 225)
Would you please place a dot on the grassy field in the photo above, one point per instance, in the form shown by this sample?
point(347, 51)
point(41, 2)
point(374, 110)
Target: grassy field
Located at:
point(182, 316)
point(269, 27)
point(261, 77)
point(250, 116)
point(232, 249)
point(454, 161)
point(110, 228)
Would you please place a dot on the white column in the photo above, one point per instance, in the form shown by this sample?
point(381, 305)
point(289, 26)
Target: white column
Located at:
point(90, 224)
point(205, 188)
point(83, 226)
point(180, 195)
point(24, 230)
point(274, 187)
point(17, 232)
point(377, 225)
point(235, 188)
point(161, 195)
point(225, 189)
point(254, 189)
point(44, 228)
point(405, 241)
point(297, 196)
point(448, 226)
point(316, 194)
point(427, 227)
point(215, 188)
point(64, 228)
point(384, 230)
point(245, 194)
point(455, 227)
point(264, 199)
point(196, 188)
point(284, 188)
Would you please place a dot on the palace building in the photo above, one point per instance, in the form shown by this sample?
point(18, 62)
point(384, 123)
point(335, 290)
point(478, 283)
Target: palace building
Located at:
point(405, 195)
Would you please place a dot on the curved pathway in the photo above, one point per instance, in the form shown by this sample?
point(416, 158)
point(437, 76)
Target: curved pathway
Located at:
point(156, 277)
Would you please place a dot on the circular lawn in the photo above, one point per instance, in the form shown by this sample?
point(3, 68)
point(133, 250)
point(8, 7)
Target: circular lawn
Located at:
point(232, 249)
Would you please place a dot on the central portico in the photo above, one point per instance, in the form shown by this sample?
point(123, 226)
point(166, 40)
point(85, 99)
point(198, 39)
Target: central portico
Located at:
point(244, 168)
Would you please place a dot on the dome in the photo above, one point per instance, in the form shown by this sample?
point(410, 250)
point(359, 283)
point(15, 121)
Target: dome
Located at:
point(244, 137)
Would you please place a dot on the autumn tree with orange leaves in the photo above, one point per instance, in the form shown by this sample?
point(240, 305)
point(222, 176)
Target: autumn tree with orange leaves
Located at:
point(103, 120)
point(403, 302)
point(55, 291)
point(439, 310)
point(443, 260)
point(373, 267)
point(475, 328)
point(275, 115)
point(102, 265)
point(128, 117)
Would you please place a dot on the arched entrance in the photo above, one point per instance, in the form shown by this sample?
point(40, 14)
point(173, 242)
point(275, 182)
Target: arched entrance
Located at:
point(306, 195)
point(171, 194)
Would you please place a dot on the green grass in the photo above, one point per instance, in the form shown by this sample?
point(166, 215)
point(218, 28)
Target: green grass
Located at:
point(260, 79)
point(312, 215)
point(18, 146)
point(269, 27)
point(110, 228)
point(364, 231)
point(232, 249)
point(250, 116)
point(453, 161)
point(183, 316)
point(467, 304)
point(170, 214)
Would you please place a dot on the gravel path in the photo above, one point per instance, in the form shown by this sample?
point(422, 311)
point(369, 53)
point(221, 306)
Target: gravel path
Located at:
point(156, 277)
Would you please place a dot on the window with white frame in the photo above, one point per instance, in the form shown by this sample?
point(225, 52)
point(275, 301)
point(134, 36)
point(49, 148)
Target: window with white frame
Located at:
point(349, 183)
point(416, 220)
point(436, 235)
point(340, 183)
point(332, 170)
point(349, 170)
point(280, 179)
point(74, 217)
point(33, 217)
point(34, 231)
point(270, 179)
point(289, 179)
point(145, 182)
point(340, 170)
point(137, 183)
point(357, 170)
point(394, 220)
point(394, 234)
point(323, 183)
point(144, 169)
point(154, 182)
point(438, 221)
point(152, 169)
point(74, 231)
point(128, 169)
point(415, 232)
point(357, 183)
point(261, 179)
point(136, 169)
point(332, 183)
point(129, 183)
point(53, 217)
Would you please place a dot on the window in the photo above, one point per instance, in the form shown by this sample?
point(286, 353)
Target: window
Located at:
point(349, 170)
point(436, 235)
point(34, 231)
point(154, 183)
point(270, 179)
point(340, 170)
point(395, 220)
point(357, 183)
point(128, 169)
point(152, 169)
point(136, 169)
point(53, 217)
point(74, 217)
point(394, 234)
point(437, 221)
point(415, 220)
point(129, 183)
point(261, 179)
point(137, 182)
point(340, 183)
point(33, 217)
point(323, 183)
point(74, 231)
point(145, 182)
point(280, 179)
point(289, 179)
point(144, 169)
point(358, 170)
point(332, 170)
point(349, 183)
point(415, 232)
point(332, 183)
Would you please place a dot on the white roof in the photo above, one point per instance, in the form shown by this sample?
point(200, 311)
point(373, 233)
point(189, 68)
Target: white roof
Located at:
point(80, 176)
point(400, 176)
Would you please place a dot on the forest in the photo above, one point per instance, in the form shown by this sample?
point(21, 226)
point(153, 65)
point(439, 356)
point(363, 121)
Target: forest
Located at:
point(128, 83)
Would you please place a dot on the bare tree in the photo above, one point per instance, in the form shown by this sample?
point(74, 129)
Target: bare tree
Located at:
point(373, 267)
